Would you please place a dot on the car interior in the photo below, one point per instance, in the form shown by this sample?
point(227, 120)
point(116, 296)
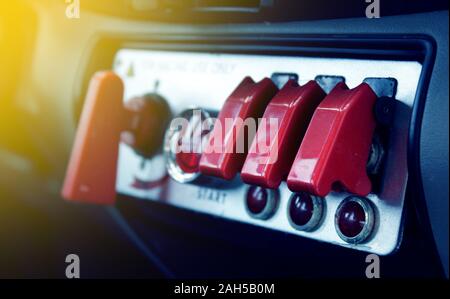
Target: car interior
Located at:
point(224, 139)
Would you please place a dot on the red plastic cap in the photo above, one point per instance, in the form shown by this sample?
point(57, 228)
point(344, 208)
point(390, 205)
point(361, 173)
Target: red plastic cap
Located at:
point(336, 145)
point(91, 173)
point(223, 155)
point(189, 151)
point(280, 133)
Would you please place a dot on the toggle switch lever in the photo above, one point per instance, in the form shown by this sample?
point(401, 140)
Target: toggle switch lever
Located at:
point(104, 122)
point(336, 145)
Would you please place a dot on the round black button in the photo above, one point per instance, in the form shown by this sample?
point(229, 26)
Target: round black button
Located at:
point(351, 219)
point(257, 199)
point(147, 119)
point(354, 219)
point(301, 208)
point(305, 211)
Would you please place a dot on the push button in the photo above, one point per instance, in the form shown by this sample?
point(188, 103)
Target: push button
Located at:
point(280, 133)
point(336, 145)
point(104, 122)
point(183, 144)
point(225, 151)
point(354, 219)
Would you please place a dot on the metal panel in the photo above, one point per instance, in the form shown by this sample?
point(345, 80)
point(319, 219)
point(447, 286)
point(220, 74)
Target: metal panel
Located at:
point(206, 79)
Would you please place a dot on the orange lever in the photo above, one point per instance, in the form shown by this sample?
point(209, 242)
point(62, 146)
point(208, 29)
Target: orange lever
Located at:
point(91, 174)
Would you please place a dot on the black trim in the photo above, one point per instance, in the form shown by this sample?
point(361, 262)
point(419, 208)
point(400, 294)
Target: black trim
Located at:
point(233, 11)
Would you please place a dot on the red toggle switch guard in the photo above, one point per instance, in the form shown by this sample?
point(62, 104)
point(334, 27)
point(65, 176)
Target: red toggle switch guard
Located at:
point(222, 156)
point(336, 145)
point(271, 154)
point(91, 174)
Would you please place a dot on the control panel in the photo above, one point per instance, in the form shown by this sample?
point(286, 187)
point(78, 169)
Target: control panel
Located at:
point(313, 147)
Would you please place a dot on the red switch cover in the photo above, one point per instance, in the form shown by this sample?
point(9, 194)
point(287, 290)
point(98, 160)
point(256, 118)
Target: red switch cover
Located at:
point(226, 149)
point(336, 145)
point(104, 122)
point(280, 133)
point(91, 174)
